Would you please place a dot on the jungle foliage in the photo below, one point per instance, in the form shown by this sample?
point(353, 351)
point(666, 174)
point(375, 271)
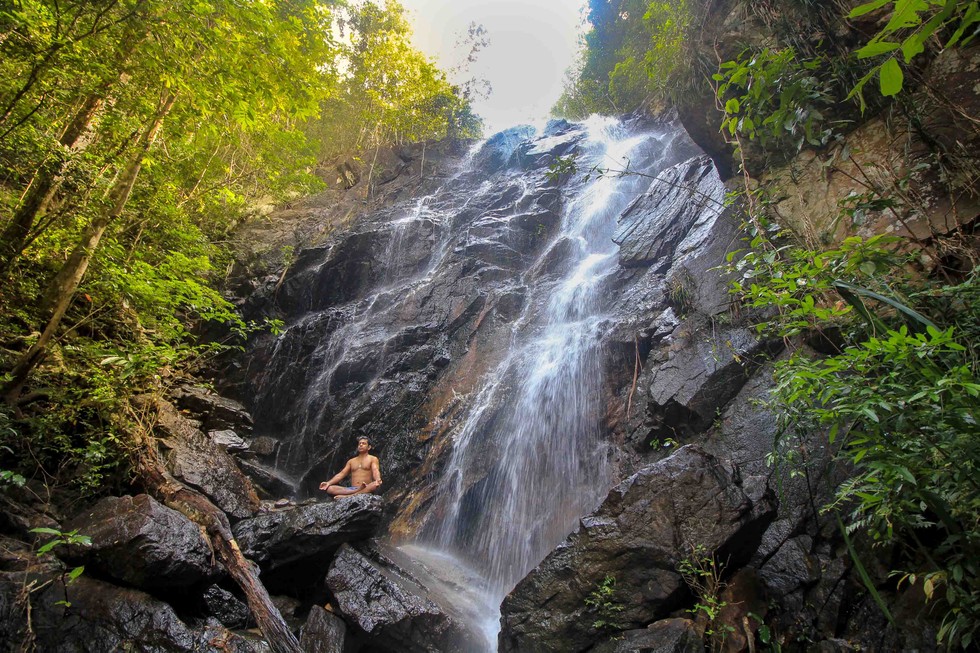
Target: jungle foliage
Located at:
point(635, 51)
point(134, 136)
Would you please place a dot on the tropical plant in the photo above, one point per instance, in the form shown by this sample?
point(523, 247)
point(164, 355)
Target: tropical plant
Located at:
point(910, 25)
point(772, 97)
point(133, 137)
point(603, 602)
point(703, 575)
point(898, 402)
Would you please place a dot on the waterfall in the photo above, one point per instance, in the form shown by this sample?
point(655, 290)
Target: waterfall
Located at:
point(529, 460)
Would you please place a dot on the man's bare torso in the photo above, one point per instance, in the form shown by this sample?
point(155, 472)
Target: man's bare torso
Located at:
point(360, 469)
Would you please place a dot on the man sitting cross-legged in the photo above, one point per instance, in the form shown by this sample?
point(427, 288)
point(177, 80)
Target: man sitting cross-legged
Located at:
point(365, 476)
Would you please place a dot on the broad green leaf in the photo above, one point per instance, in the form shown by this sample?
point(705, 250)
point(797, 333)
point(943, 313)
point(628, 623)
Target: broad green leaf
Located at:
point(47, 547)
point(850, 291)
point(891, 78)
point(876, 48)
point(913, 46)
point(906, 14)
point(867, 8)
point(75, 573)
point(46, 531)
point(972, 16)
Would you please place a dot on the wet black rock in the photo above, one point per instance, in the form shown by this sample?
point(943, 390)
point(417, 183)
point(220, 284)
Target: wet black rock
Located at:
point(20, 514)
point(263, 445)
point(682, 228)
point(273, 483)
point(499, 150)
point(225, 607)
point(141, 542)
point(200, 463)
point(688, 390)
point(307, 534)
point(639, 535)
point(103, 617)
point(395, 610)
point(216, 412)
point(684, 197)
point(791, 567)
point(323, 632)
point(229, 440)
point(665, 636)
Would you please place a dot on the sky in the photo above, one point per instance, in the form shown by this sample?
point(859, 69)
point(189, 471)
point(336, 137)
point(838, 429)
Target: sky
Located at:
point(532, 43)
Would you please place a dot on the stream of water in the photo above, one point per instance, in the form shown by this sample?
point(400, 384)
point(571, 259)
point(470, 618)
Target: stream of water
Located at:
point(536, 419)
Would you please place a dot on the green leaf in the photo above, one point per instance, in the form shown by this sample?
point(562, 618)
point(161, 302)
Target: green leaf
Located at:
point(46, 531)
point(862, 572)
point(848, 292)
point(912, 46)
point(75, 573)
point(876, 48)
point(867, 8)
point(972, 16)
point(891, 78)
point(47, 547)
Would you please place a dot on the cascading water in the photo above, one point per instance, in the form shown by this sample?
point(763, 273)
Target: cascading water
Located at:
point(536, 420)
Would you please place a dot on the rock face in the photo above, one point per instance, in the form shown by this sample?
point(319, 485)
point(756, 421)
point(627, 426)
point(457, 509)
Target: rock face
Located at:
point(200, 463)
point(225, 607)
point(307, 534)
point(394, 609)
point(217, 413)
point(639, 535)
point(665, 636)
point(323, 632)
point(143, 543)
point(104, 617)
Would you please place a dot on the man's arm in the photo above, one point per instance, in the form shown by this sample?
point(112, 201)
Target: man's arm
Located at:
point(376, 471)
point(338, 478)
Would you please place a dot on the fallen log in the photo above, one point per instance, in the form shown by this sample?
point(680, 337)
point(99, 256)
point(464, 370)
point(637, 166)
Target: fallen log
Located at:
point(160, 484)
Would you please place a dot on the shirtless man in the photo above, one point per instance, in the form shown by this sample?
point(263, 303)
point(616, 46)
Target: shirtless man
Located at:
point(365, 476)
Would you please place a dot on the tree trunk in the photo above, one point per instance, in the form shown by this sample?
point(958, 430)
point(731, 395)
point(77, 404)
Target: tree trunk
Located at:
point(62, 289)
point(35, 204)
point(45, 185)
point(196, 507)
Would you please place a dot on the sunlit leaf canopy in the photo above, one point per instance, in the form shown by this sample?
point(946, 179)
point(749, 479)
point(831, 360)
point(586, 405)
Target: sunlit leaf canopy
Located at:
point(134, 136)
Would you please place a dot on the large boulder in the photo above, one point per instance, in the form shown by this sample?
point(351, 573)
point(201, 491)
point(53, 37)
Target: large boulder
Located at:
point(683, 228)
point(143, 543)
point(216, 413)
point(680, 203)
point(323, 632)
point(395, 610)
point(269, 482)
point(193, 458)
point(225, 607)
point(307, 534)
point(20, 513)
point(638, 536)
point(665, 636)
point(698, 375)
point(104, 617)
